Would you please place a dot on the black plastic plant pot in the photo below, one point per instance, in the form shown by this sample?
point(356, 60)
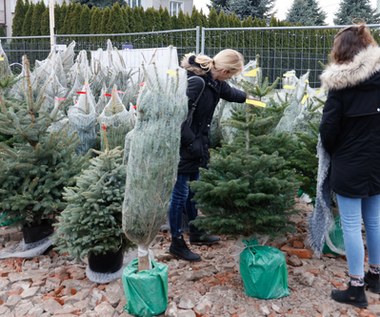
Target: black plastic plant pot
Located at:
point(38, 232)
point(109, 262)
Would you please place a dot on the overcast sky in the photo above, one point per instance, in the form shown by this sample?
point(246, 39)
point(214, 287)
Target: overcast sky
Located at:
point(282, 7)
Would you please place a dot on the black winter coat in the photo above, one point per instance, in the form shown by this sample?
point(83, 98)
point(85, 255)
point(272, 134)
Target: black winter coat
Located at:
point(194, 150)
point(350, 126)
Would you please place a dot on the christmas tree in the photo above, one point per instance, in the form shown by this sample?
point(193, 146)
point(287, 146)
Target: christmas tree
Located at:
point(249, 187)
point(92, 219)
point(38, 164)
point(153, 155)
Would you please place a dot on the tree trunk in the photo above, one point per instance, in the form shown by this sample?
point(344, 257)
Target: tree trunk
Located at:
point(143, 258)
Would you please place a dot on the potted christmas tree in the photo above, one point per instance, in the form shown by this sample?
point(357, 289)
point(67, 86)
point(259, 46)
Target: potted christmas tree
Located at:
point(91, 224)
point(249, 189)
point(153, 155)
point(36, 166)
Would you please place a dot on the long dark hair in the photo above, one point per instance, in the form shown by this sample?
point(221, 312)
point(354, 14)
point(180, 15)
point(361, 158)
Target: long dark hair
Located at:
point(349, 41)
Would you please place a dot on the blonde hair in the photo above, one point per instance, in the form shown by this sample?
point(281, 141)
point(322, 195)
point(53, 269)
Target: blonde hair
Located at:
point(227, 59)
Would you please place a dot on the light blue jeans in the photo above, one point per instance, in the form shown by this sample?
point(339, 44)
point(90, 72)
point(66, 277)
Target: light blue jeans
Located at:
point(352, 211)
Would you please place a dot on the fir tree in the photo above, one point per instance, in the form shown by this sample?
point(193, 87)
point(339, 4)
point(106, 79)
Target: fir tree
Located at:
point(39, 163)
point(306, 12)
point(353, 11)
point(249, 186)
point(20, 12)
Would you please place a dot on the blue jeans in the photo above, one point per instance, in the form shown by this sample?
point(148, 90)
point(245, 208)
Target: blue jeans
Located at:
point(352, 211)
point(181, 202)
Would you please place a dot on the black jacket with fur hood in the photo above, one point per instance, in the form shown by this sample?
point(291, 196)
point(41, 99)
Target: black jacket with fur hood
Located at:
point(350, 126)
point(194, 150)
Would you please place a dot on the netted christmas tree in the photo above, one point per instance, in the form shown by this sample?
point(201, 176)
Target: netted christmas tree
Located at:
point(249, 187)
point(38, 164)
point(153, 155)
point(117, 119)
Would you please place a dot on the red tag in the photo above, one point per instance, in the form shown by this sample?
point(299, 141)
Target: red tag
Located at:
point(81, 92)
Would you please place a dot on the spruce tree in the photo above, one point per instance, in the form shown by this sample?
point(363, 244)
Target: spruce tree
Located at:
point(306, 12)
point(245, 8)
point(38, 164)
point(20, 12)
point(353, 11)
point(92, 219)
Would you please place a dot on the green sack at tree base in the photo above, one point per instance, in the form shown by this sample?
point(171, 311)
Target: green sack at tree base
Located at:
point(146, 291)
point(263, 271)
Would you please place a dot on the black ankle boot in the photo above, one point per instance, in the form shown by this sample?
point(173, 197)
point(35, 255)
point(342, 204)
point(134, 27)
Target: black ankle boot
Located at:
point(179, 248)
point(201, 237)
point(372, 282)
point(353, 295)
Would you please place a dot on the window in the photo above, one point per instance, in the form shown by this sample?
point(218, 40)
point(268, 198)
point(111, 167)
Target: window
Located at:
point(175, 7)
point(134, 3)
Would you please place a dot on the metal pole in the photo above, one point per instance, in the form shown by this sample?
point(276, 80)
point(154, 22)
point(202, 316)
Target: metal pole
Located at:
point(52, 24)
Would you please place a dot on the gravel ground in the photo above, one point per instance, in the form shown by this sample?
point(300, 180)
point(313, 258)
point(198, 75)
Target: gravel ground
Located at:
point(55, 285)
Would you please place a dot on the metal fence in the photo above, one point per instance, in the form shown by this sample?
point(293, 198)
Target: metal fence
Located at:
point(279, 48)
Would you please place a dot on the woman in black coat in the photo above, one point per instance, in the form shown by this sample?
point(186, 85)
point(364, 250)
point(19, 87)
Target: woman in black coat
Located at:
point(350, 133)
point(206, 80)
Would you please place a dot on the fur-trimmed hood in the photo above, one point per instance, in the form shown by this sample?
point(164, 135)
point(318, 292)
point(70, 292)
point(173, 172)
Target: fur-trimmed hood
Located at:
point(364, 65)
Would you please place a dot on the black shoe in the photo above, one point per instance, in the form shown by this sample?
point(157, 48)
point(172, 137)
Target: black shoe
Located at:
point(204, 239)
point(200, 237)
point(353, 295)
point(179, 249)
point(372, 282)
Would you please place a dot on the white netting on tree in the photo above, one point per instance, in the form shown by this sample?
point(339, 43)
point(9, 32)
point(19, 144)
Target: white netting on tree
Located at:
point(304, 104)
point(117, 120)
point(153, 155)
point(82, 118)
point(68, 57)
point(4, 64)
point(79, 74)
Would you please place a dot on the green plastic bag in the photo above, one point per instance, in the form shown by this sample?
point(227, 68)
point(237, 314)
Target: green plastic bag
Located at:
point(146, 291)
point(263, 270)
